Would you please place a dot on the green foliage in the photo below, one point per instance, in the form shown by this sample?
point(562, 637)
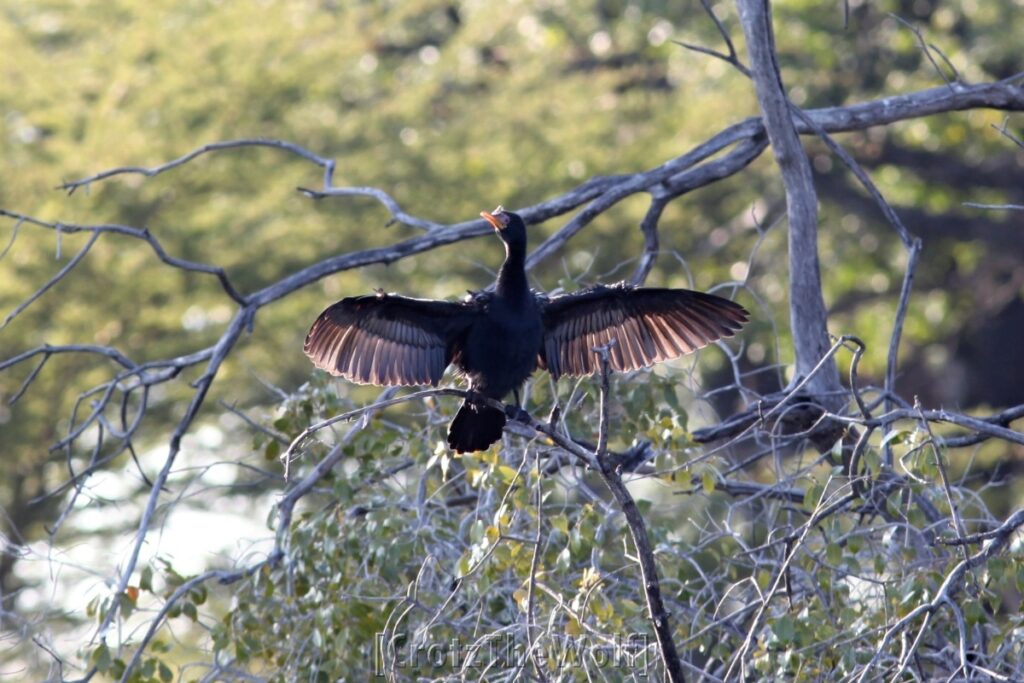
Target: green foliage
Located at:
point(419, 564)
point(403, 563)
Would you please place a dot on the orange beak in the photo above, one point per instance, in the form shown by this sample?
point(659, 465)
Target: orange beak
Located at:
point(499, 222)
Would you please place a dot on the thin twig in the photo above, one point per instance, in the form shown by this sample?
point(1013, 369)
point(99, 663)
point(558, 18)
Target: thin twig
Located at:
point(994, 207)
point(68, 267)
point(327, 164)
point(927, 48)
point(138, 233)
point(531, 587)
point(731, 58)
point(649, 227)
point(222, 577)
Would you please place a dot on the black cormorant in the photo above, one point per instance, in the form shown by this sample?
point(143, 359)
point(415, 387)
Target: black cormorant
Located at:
point(497, 339)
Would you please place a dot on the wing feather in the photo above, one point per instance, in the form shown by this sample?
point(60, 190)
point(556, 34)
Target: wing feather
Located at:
point(386, 339)
point(686, 329)
point(663, 342)
point(649, 326)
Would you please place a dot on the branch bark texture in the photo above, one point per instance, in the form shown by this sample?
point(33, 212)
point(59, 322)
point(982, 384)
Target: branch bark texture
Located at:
point(807, 313)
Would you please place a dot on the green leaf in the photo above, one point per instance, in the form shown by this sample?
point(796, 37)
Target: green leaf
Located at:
point(997, 566)
point(148, 668)
point(683, 418)
point(127, 602)
point(273, 450)
point(198, 594)
point(669, 393)
point(974, 612)
point(506, 473)
point(101, 657)
point(784, 629)
point(564, 560)
point(812, 496)
point(464, 566)
point(146, 580)
point(601, 607)
point(896, 436)
point(630, 607)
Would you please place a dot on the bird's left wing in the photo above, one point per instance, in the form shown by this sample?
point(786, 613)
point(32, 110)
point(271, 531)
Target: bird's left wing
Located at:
point(386, 339)
point(649, 325)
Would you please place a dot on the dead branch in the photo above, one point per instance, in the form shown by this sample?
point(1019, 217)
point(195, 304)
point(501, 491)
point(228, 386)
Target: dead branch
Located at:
point(808, 316)
point(659, 616)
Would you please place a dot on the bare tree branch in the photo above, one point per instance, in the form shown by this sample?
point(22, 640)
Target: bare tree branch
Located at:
point(51, 282)
point(641, 541)
point(731, 58)
point(138, 233)
point(326, 164)
point(951, 585)
point(808, 316)
point(927, 48)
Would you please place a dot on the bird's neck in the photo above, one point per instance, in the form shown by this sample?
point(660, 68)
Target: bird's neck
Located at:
point(512, 276)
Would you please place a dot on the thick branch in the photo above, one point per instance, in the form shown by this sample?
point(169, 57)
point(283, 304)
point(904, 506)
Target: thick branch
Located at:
point(808, 316)
point(638, 531)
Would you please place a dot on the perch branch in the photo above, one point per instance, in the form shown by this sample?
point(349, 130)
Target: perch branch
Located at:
point(659, 616)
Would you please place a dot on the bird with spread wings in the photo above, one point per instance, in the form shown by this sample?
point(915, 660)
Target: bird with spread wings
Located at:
point(498, 339)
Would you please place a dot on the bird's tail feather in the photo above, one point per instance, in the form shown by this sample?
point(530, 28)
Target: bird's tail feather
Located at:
point(475, 428)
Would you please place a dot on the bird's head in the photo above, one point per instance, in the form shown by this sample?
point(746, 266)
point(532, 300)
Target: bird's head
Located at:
point(509, 226)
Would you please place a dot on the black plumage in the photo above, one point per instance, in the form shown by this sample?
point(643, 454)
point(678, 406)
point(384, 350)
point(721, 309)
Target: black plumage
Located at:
point(497, 339)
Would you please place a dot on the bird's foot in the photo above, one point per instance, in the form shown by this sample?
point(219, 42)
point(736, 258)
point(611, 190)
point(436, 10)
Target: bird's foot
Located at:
point(473, 396)
point(516, 413)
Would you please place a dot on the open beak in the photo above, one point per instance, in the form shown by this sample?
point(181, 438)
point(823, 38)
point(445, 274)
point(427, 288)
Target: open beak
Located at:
point(497, 219)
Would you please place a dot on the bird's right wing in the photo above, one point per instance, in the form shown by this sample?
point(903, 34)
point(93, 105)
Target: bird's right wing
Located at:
point(386, 339)
point(649, 326)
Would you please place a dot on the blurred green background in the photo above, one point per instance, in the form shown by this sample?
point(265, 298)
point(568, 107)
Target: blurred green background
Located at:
point(453, 107)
